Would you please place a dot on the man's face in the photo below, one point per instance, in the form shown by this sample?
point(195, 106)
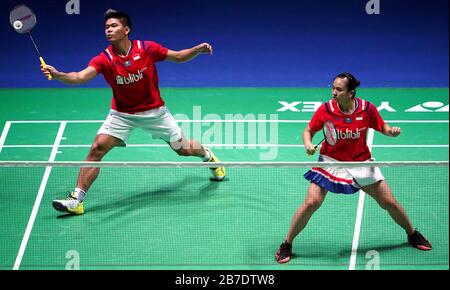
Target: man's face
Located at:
point(340, 90)
point(114, 30)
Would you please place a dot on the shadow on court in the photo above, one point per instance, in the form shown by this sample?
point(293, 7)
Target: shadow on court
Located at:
point(188, 190)
point(317, 255)
point(380, 249)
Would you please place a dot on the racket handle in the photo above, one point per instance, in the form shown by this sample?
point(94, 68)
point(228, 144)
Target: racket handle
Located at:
point(313, 151)
point(43, 65)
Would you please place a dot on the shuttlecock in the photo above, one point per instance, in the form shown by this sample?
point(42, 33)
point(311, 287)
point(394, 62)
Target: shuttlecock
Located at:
point(17, 24)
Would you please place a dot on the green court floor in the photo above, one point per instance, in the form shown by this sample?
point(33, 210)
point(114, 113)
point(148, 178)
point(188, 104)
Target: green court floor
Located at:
point(179, 219)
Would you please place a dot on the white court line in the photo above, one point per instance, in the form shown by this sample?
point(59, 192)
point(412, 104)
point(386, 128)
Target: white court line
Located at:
point(4, 133)
point(224, 121)
point(224, 145)
point(359, 212)
point(37, 202)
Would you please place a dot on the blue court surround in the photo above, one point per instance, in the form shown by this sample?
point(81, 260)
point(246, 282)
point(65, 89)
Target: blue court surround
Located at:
point(277, 43)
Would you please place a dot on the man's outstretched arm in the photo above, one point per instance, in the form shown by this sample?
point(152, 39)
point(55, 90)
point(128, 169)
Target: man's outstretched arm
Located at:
point(188, 53)
point(72, 78)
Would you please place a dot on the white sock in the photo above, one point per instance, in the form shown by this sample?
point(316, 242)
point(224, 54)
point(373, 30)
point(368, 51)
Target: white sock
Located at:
point(79, 193)
point(207, 155)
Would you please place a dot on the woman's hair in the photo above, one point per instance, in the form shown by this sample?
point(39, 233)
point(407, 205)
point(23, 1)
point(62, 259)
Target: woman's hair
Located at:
point(352, 82)
point(122, 16)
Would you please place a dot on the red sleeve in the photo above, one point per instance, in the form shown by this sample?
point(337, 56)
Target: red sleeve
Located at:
point(157, 51)
point(376, 122)
point(98, 63)
point(318, 119)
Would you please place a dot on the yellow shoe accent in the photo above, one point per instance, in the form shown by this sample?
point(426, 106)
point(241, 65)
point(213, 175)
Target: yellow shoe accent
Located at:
point(70, 205)
point(217, 172)
point(79, 209)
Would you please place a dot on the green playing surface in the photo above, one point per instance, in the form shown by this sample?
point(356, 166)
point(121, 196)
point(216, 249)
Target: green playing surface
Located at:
point(180, 219)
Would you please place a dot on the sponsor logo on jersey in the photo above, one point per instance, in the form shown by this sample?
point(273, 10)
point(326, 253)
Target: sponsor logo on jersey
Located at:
point(348, 134)
point(132, 78)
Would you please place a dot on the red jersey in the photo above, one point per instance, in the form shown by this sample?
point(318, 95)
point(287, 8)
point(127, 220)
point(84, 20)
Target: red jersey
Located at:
point(133, 78)
point(351, 129)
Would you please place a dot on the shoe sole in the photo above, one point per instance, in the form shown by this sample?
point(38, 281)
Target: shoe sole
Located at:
point(216, 178)
point(59, 207)
point(285, 260)
point(423, 248)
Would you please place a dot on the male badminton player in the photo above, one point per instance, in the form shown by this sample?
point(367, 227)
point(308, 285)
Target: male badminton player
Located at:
point(129, 68)
point(351, 117)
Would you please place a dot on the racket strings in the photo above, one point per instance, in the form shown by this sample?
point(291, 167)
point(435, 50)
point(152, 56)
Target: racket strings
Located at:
point(330, 134)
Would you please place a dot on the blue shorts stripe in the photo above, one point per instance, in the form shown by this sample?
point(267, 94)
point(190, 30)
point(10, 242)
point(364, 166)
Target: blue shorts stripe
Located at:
point(324, 182)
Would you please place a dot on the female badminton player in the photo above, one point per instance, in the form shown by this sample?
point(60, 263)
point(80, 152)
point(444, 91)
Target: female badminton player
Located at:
point(351, 117)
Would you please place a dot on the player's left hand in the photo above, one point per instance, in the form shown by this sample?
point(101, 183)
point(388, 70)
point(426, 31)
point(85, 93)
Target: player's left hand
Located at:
point(205, 48)
point(395, 131)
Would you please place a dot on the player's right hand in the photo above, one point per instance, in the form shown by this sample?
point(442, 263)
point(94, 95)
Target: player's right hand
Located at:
point(49, 70)
point(310, 149)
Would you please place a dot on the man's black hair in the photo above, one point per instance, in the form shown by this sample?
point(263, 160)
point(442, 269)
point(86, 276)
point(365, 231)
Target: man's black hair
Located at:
point(122, 16)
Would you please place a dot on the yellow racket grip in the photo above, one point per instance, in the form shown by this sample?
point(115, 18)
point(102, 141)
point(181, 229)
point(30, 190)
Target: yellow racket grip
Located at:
point(313, 151)
point(43, 65)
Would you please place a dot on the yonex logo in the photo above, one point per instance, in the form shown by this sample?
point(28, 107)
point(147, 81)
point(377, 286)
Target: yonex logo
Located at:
point(430, 106)
point(291, 106)
point(121, 80)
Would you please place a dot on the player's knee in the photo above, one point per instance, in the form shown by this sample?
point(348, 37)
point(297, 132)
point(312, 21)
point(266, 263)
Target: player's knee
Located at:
point(97, 152)
point(184, 152)
point(388, 204)
point(313, 203)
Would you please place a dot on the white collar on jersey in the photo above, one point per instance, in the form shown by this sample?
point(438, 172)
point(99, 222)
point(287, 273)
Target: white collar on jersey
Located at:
point(129, 50)
point(356, 107)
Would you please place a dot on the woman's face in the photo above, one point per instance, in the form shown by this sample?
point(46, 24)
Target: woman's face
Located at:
point(340, 90)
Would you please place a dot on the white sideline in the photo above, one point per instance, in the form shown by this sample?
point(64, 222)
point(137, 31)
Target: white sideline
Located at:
point(359, 212)
point(37, 202)
point(4, 133)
